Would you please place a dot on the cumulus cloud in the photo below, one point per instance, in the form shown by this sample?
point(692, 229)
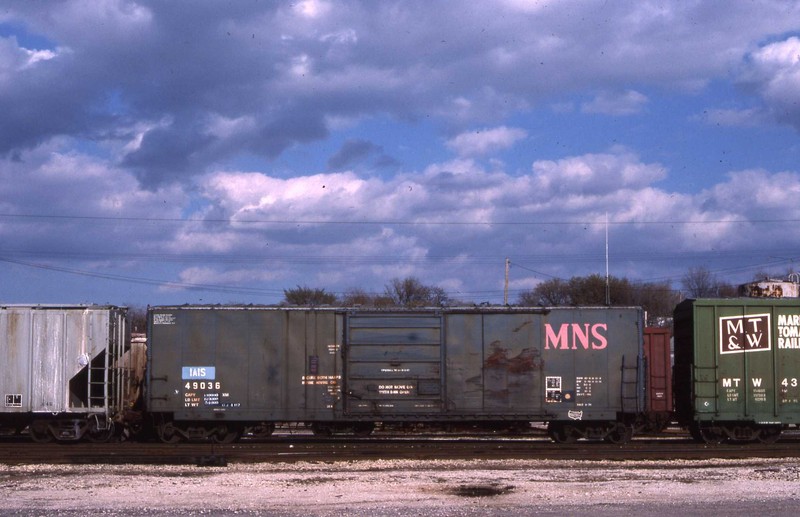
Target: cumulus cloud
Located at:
point(749, 117)
point(490, 210)
point(774, 71)
point(594, 174)
point(290, 69)
point(357, 152)
point(485, 141)
point(629, 102)
point(447, 224)
point(261, 144)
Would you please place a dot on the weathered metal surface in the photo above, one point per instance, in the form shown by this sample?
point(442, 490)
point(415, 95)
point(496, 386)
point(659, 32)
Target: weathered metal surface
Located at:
point(393, 364)
point(55, 359)
point(332, 365)
point(738, 360)
point(562, 363)
point(132, 365)
point(244, 363)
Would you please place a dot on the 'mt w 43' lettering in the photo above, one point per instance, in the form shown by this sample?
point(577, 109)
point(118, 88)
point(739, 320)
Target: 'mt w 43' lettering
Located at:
point(572, 336)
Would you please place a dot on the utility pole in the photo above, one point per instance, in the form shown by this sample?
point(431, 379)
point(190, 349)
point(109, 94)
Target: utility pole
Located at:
point(505, 290)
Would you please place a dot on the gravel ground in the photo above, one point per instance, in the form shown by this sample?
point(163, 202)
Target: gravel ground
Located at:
point(405, 488)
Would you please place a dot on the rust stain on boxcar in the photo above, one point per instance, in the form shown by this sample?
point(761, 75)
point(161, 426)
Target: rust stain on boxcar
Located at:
point(525, 361)
point(509, 380)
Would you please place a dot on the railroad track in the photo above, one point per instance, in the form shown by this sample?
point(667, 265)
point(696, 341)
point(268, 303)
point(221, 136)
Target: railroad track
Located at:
point(294, 449)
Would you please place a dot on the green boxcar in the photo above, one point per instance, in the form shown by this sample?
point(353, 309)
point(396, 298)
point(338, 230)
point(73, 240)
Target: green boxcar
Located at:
point(737, 367)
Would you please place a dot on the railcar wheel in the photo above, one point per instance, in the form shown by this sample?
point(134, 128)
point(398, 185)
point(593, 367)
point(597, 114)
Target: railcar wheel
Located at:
point(321, 430)
point(560, 433)
point(225, 434)
point(168, 433)
point(711, 435)
point(769, 434)
point(262, 430)
point(619, 434)
point(363, 429)
point(39, 432)
point(97, 435)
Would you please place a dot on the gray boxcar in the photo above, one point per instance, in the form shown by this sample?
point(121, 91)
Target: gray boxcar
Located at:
point(576, 368)
point(216, 371)
point(737, 367)
point(60, 376)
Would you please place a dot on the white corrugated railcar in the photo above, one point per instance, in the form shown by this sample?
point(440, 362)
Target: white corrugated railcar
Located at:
point(65, 375)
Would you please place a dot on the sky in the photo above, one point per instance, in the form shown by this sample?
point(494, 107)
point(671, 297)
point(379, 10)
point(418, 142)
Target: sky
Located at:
point(220, 152)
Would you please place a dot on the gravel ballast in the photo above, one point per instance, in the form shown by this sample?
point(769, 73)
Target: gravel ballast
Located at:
point(513, 488)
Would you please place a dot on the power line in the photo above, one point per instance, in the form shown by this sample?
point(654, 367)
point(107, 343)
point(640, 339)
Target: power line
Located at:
point(65, 217)
point(292, 257)
point(149, 281)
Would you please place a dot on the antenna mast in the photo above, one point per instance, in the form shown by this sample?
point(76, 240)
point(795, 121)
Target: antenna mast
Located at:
point(608, 285)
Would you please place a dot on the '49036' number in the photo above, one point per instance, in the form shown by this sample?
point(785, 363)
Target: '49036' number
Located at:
point(203, 385)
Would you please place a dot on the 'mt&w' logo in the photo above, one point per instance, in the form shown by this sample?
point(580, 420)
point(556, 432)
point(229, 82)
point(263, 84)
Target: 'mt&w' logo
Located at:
point(739, 334)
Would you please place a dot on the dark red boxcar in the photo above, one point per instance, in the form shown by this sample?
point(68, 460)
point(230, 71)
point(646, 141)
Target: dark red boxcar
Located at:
point(658, 360)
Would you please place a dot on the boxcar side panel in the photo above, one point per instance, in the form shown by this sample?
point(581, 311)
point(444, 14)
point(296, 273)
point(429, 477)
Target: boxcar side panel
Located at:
point(557, 363)
point(394, 365)
point(15, 350)
point(464, 364)
point(592, 362)
point(512, 363)
point(659, 369)
point(244, 363)
point(745, 361)
point(57, 357)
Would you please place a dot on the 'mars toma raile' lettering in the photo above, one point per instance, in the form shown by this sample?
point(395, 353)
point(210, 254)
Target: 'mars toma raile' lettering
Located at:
point(575, 335)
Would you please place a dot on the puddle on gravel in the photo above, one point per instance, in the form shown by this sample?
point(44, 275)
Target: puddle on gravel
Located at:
point(479, 490)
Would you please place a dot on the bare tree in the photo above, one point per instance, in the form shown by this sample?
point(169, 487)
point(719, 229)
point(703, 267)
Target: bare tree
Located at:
point(726, 290)
point(308, 296)
point(699, 282)
point(551, 293)
point(358, 297)
point(137, 319)
point(410, 292)
point(657, 299)
point(580, 290)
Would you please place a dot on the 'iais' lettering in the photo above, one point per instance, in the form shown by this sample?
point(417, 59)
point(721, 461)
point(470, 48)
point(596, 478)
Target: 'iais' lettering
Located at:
point(575, 335)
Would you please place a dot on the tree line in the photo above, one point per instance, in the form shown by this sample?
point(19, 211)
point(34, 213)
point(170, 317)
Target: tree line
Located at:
point(408, 292)
point(658, 299)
